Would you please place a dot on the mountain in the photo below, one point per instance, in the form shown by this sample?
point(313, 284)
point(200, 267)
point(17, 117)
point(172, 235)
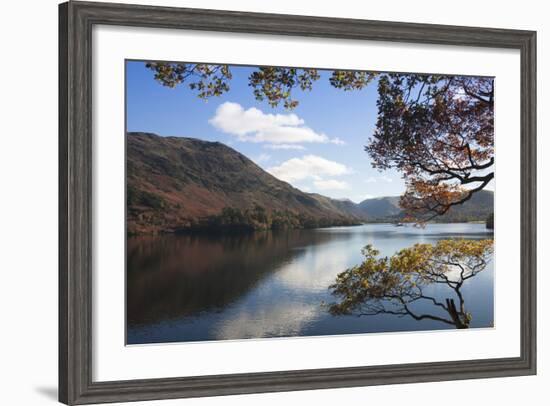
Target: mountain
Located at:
point(342, 205)
point(380, 207)
point(478, 208)
point(176, 183)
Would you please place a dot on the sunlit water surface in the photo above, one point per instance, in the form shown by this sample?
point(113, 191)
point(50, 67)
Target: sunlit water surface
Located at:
point(273, 284)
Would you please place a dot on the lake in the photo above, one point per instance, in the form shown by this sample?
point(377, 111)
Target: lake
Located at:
point(274, 283)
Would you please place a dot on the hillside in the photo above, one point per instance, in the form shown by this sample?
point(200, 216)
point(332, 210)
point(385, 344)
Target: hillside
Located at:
point(380, 207)
point(176, 183)
point(478, 208)
point(345, 206)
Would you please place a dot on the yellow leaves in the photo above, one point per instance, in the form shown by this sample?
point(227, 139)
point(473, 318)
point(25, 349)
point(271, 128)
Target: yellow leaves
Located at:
point(406, 273)
point(411, 259)
point(424, 261)
point(462, 248)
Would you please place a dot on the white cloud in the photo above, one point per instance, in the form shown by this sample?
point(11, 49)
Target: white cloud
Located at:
point(374, 179)
point(253, 125)
point(308, 167)
point(337, 141)
point(284, 146)
point(262, 158)
point(331, 184)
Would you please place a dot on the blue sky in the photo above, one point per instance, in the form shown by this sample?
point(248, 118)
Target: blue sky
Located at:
point(317, 147)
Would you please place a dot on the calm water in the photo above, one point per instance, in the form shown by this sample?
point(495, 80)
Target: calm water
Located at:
point(273, 284)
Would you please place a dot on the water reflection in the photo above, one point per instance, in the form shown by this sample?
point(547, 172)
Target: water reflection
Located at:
point(268, 284)
point(171, 276)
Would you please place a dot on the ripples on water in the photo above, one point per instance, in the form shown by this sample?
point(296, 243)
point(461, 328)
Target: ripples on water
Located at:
point(272, 284)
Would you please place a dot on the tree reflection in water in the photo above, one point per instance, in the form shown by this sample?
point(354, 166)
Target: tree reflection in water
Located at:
point(397, 284)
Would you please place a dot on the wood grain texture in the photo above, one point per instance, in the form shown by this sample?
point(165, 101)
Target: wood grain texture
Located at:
point(63, 246)
point(76, 20)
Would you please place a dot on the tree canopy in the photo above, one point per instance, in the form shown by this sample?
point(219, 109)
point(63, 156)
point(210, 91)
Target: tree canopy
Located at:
point(269, 83)
point(397, 284)
point(437, 130)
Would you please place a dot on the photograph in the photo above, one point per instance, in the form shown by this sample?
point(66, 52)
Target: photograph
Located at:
point(269, 202)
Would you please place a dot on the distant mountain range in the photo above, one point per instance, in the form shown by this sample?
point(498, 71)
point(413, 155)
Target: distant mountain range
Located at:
point(175, 184)
point(478, 208)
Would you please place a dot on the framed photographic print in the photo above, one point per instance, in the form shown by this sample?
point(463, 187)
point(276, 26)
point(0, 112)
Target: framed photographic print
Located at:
point(259, 202)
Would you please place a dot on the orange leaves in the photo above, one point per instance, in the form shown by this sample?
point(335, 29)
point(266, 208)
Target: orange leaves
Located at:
point(438, 131)
point(423, 197)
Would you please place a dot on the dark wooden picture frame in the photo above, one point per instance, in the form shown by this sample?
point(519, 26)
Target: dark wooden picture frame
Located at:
point(76, 20)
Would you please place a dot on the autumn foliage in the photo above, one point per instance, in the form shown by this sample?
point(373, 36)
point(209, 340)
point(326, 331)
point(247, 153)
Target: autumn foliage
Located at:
point(269, 83)
point(437, 130)
point(395, 285)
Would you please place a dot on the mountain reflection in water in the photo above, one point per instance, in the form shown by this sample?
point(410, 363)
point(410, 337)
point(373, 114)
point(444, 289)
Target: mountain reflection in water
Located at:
point(271, 284)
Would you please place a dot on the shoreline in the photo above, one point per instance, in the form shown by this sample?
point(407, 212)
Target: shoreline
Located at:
point(244, 231)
